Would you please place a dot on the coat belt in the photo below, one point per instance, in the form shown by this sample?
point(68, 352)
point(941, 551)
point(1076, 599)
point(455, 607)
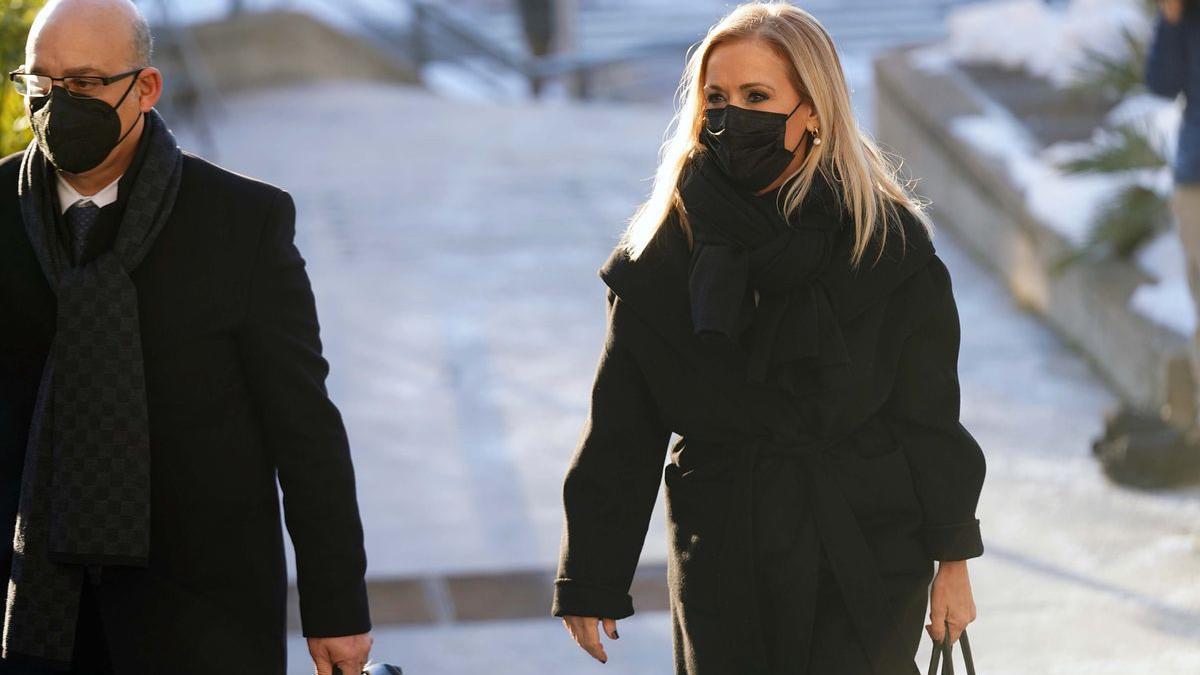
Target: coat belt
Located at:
point(853, 564)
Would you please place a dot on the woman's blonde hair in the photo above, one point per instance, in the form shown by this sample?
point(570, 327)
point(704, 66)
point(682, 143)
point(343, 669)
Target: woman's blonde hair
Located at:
point(847, 156)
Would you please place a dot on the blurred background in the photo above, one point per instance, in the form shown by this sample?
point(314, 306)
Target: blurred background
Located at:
point(463, 168)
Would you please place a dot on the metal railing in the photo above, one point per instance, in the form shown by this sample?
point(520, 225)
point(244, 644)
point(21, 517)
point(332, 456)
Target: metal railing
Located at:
point(434, 23)
point(193, 96)
point(442, 32)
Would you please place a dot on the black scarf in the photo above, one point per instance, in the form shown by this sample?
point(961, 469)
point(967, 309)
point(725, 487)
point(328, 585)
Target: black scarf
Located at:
point(85, 489)
point(741, 244)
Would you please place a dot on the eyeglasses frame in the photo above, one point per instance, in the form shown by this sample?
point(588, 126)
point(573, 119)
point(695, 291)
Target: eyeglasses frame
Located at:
point(104, 80)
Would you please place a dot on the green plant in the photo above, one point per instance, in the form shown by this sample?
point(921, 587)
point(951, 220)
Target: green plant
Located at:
point(15, 19)
point(1127, 149)
point(1135, 214)
point(1133, 217)
point(1112, 76)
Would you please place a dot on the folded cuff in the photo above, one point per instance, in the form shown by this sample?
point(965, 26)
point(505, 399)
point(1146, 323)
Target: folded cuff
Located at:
point(957, 541)
point(576, 598)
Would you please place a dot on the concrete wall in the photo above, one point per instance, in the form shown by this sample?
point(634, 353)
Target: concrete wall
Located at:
point(1088, 305)
point(274, 48)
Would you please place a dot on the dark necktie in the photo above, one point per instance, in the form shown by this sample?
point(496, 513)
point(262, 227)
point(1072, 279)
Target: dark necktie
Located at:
point(81, 221)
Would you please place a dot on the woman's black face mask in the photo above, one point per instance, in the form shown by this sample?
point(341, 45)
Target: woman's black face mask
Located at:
point(77, 134)
point(749, 145)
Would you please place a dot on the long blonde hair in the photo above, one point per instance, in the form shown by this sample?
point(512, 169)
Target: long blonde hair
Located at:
point(847, 155)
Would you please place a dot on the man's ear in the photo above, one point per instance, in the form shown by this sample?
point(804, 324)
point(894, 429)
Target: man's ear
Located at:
point(150, 88)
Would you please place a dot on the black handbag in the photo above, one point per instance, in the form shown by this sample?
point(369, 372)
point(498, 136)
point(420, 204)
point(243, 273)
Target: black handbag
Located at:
point(945, 647)
point(375, 669)
point(383, 669)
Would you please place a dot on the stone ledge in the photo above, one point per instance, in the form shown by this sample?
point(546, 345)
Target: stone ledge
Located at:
point(275, 48)
point(1088, 305)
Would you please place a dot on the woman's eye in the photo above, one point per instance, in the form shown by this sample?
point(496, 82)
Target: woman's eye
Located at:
point(715, 98)
point(756, 97)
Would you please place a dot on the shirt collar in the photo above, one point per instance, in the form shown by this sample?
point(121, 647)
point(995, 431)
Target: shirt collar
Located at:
point(68, 196)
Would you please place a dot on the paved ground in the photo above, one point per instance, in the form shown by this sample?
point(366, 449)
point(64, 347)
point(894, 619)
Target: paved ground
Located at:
point(454, 252)
point(453, 248)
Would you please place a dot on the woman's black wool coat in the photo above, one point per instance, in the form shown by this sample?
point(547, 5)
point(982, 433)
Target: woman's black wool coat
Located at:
point(802, 527)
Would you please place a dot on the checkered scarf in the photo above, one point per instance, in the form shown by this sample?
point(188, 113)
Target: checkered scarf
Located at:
point(85, 489)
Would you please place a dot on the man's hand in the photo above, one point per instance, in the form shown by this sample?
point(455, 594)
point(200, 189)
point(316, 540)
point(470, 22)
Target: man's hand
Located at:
point(951, 600)
point(349, 653)
point(1172, 10)
point(583, 630)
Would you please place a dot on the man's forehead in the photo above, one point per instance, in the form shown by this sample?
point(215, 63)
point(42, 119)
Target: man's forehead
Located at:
point(71, 62)
point(74, 49)
point(81, 36)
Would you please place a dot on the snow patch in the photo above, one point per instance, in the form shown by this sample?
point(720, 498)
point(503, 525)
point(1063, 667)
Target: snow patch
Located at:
point(1065, 202)
point(1052, 42)
point(462, 82)
point(1167, 302)
point(1068, 203)
point(1158, 118)
point(932, 58)
point(1049, 41)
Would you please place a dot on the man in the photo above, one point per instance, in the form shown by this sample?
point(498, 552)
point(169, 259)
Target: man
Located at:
point(1173, 67)
point(160, 364)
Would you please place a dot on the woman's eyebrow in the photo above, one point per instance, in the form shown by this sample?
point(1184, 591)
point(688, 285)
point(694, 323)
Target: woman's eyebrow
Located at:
point(751, 85)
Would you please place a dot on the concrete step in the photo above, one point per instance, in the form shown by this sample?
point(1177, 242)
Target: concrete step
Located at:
point(612, 28)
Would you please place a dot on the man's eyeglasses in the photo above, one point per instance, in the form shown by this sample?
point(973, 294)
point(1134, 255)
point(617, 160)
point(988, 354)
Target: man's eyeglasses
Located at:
point(79, 86)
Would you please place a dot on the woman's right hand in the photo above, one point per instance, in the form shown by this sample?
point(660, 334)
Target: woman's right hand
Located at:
point(586, 634)
point(1172, 10)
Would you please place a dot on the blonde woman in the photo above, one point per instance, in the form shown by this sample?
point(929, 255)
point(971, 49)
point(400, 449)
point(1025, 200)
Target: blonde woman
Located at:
point(777, 304)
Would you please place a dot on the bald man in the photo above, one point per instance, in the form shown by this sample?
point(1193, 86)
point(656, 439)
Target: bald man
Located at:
point(160, 369)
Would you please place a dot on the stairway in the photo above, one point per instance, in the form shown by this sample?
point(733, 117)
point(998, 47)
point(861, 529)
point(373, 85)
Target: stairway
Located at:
point(613, 27)
point(650, 37)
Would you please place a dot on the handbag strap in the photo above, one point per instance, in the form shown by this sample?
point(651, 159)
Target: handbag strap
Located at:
point(944, 647)
point(966, 651)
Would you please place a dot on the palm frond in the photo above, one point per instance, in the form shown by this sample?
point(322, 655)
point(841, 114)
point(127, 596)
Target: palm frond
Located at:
point(1112, 75)
point(1134, 216)
point(1127, 148)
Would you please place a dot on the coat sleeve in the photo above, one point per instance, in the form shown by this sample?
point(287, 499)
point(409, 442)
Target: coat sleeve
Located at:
point(611, 485)
point(281, 351)
point(947, 463)
point(1166, 63)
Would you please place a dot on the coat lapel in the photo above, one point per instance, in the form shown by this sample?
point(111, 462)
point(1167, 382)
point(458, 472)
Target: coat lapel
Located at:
point(655, 286)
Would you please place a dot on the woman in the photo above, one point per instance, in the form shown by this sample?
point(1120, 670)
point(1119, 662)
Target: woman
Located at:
point(760, 308)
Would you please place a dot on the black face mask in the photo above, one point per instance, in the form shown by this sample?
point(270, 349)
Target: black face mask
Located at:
point(748, 145)
point(77, 134)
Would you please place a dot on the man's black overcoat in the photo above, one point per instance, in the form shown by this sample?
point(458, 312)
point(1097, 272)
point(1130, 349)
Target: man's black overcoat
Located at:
point(834, 501)
point(236, 394)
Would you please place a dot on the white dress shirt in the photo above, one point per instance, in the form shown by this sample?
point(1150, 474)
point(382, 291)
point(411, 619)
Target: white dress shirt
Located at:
point(68, 196)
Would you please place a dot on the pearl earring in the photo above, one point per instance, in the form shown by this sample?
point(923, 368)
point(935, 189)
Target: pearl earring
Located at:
point(816, 138)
